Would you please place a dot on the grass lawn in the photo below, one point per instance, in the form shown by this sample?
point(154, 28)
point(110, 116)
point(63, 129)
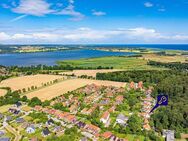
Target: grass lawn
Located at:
point(126, 63)
point(5, 108)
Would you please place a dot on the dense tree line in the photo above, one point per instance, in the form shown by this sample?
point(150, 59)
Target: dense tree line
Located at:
point(174, 65)
point(45, 68)
point(174, 83)
point(150, 76)
point(175, 115)
point(11, 98)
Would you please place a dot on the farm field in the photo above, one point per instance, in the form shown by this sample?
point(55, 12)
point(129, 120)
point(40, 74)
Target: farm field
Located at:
point(28, 81)
point(63, 87)
point(89, 72)
point(2, 92)
point(166, 59)
point(128, 63)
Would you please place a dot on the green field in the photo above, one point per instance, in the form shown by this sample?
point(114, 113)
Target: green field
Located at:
point(127, 63)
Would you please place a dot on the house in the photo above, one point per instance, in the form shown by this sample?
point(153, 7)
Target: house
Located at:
point(2, 133)
point(30, 129)
point(109, 94)
point(4, 139)
point(81, 124)
point(169, 135)
point(119, 99)
point(73, 108)
point(122, 119)
point(132, 85)
point(8, 118)
point(112, 109)
point(14, 111)
point(38, 108)
point(140, 85)
point(50, 122)
point(57, 129)
point(92, 128)
point(1, 116)
point(45, 132)
point(105, 101)
point(20, 120)
point(105, 118)
point(107, 135)
point(18, 104)
point(70, 118)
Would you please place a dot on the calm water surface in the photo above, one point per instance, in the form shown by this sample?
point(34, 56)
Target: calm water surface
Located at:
point(50, 58)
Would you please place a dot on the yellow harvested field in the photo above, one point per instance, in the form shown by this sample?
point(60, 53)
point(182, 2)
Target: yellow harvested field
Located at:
point(165, 59)
point(89, 72)
point(63, 87)
point(28, 81)
point(2, 92)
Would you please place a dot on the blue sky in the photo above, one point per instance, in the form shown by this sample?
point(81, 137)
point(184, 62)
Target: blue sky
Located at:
point(93, 21)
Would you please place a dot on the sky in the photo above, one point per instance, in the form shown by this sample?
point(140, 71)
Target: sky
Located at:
point(93, 21)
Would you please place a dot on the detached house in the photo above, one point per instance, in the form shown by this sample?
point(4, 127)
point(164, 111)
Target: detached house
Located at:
point(119, 99)
point(122, 119)
point(105, 118)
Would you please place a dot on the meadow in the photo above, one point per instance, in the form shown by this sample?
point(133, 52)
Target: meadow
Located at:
point(126, 63)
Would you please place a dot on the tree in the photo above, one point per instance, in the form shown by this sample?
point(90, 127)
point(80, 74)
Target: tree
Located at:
point(34, 101)
point(135, 124)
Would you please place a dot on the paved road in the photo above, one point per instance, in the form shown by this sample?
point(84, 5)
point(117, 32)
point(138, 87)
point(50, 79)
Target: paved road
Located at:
point(14, 132)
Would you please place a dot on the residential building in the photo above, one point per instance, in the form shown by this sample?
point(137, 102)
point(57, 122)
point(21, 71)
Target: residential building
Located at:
point(30, 129)
point(169, 135)
point(105, 118)
point(122, 119)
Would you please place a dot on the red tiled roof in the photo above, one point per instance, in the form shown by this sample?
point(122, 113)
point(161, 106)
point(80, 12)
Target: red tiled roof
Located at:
point(105, 115)
point(119, 98)
point(106, 135)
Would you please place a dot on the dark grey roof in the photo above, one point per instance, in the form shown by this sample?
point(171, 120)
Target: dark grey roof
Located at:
point(2, 133)
point(46, 131)
point(5, 139)
point(20, 120)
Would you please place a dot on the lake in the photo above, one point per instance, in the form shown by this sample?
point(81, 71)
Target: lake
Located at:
point(50, 58)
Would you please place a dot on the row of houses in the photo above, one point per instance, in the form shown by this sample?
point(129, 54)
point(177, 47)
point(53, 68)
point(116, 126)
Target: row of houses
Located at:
point(133, 85)
point(67, 117)
point(146, 108)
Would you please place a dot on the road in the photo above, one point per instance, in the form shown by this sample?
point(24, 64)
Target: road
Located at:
point(14, 132)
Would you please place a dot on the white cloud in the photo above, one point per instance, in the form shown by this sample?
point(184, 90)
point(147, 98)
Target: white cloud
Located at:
point(70, 11)
point(42, 8)
point(88, 35)
point(148, 4)
point(4, 36)
point(98, 13)
point(33, 7)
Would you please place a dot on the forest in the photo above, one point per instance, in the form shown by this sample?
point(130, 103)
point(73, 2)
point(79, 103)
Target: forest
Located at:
point(170, 82)
point(174, 65)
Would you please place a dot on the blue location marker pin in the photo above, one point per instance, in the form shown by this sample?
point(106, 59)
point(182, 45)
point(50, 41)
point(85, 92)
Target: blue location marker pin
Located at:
point(162, 100)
